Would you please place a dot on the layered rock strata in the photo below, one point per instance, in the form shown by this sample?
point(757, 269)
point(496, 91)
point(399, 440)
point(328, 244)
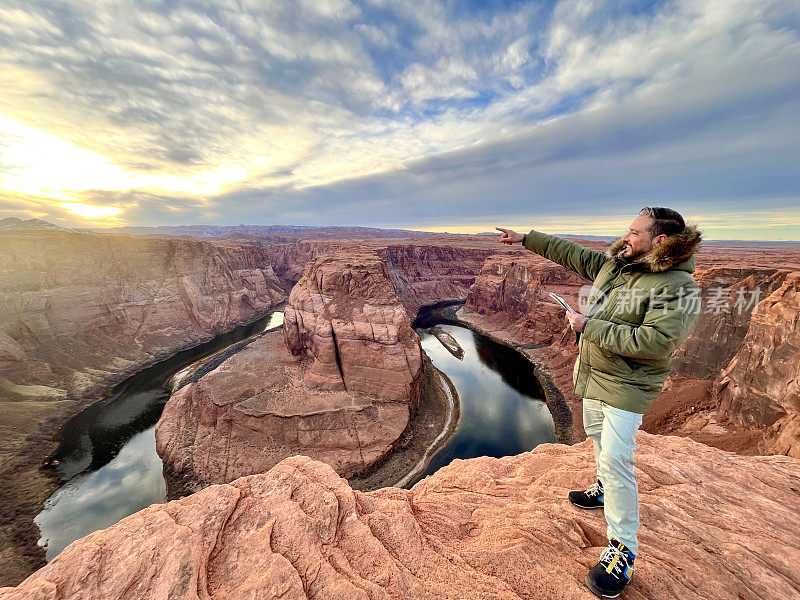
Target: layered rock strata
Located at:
point(343, 393)
point(78, 311)
point(422, 273)
point(760, 387)
point(429, 273)
point(253, 411)
point(81, 312)
point(714, 525)
point(731, 295)
point(345, 314)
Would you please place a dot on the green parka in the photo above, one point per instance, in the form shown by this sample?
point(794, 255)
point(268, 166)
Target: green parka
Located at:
point(639, 312)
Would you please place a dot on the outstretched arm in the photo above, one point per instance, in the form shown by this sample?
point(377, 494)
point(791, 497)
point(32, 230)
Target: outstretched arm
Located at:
point(584, 261)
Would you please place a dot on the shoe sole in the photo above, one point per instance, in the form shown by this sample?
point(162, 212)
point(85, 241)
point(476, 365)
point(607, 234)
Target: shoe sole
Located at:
point(585, 507)
point(597, 591)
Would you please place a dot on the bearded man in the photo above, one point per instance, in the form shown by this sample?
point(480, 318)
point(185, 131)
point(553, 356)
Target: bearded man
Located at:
point(643, 303)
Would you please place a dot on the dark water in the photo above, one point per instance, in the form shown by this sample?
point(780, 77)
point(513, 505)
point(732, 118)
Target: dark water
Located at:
point(107, 456)
point(502, 408)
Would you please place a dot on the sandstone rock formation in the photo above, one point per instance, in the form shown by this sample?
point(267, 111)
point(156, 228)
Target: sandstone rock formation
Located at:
point(81, 312)
point(78, 311)
point(344, 395)
point(512, 293)
point(430, 273)
point(761, 385)
point(422, 272)
point(345, 314)
point(731, 297)
point(253, 411)
point(714, 525)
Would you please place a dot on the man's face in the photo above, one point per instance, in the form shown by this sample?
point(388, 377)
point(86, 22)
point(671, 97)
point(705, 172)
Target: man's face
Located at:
point(638, 240)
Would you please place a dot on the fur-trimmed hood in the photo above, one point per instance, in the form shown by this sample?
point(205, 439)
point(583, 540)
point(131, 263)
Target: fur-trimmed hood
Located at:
point(675, 250)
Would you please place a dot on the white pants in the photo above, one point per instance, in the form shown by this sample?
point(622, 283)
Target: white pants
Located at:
point(613, 431)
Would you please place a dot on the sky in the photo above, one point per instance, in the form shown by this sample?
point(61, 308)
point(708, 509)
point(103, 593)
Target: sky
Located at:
point(461, 116)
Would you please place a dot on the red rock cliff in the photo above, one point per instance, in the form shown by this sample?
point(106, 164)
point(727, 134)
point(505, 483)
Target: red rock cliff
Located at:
point(429, 273)
point(761, 384)
point(78, 311)
point(345, 313)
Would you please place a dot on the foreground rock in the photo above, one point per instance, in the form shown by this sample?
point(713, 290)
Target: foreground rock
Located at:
point(343, 393)
point(715, 525)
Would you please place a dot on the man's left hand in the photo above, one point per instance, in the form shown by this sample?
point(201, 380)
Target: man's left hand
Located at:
point(576, 321)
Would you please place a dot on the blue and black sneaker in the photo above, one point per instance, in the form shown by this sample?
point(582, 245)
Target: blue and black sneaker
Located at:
point(588, 498)
point(615, 569)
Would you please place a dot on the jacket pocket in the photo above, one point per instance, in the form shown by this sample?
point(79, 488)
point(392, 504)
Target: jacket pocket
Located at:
point(608, 362)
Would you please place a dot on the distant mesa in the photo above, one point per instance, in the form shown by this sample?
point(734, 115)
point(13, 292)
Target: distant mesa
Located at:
point(234, 230)
point(15, 224)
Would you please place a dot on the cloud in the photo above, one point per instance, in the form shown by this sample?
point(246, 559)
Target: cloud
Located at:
point(403, 114)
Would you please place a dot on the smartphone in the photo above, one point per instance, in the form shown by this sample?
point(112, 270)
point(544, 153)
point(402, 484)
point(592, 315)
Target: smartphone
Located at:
point(561, 301)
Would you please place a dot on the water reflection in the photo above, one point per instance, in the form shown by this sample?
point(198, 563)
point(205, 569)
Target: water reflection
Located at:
point(275, 320)
point(131, 481)
point(502, 412)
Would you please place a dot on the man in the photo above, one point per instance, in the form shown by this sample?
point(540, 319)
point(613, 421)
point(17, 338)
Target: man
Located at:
point(643, 303)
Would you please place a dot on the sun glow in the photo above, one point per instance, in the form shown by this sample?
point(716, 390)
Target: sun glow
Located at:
point(37, 163)
point(88, 211)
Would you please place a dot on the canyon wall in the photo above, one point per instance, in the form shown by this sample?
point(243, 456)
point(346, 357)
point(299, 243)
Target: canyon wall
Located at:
point(484, 528)
point(731, 295)
point(510, 302)
point(423, 272)
point(760, 387)
point(78, 311)
point(429, 273)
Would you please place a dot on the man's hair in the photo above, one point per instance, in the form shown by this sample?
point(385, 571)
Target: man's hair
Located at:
point(666, 220)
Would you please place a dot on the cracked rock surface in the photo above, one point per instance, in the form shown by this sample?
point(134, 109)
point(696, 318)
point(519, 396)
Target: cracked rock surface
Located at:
point(714, 525)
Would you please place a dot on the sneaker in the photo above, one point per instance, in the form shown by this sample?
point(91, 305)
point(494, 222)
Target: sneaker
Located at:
point(588, 498)
point(615, 569)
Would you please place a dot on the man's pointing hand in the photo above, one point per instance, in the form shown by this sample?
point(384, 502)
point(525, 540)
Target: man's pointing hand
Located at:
point(509, 236)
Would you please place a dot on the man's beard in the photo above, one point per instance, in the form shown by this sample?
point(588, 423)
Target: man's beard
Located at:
point(634, 255)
